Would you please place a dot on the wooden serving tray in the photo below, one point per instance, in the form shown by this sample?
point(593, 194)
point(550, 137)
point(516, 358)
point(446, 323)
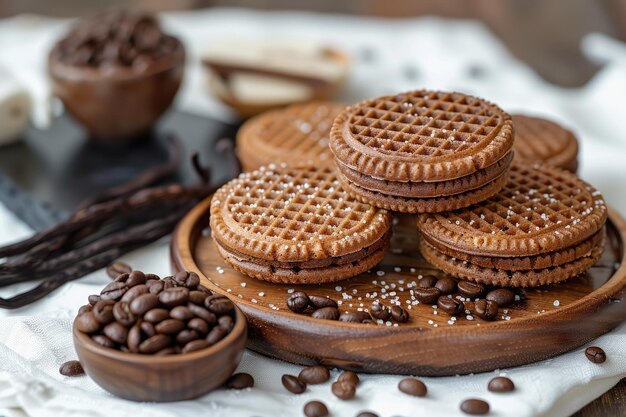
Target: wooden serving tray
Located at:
point(546, 322)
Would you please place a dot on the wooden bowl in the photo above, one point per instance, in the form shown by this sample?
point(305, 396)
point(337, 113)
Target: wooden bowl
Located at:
point(122, 104)
point(179, 377)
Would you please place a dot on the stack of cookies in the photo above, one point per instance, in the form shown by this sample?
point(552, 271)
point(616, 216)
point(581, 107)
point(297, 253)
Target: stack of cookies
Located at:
point(423, 151)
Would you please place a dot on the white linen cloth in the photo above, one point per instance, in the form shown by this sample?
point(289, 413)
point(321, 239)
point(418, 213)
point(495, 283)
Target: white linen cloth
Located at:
point(36, 339)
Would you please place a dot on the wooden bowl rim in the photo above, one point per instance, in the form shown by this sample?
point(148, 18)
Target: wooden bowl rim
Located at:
point(228, 342)
point(190, 222)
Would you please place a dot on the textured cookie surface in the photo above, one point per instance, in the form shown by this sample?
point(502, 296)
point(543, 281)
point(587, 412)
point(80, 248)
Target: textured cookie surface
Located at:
point(540, 140)
point(423, 205)
point(421, 136)
point(489, 276)
point(541, 209)
point(293, 215)
point(298, 133)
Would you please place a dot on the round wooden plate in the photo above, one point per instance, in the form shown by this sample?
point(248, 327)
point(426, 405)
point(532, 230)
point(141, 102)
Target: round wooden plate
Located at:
point(545, 322)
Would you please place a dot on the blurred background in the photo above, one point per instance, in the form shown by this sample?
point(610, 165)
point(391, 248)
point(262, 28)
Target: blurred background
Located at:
point(545, 34)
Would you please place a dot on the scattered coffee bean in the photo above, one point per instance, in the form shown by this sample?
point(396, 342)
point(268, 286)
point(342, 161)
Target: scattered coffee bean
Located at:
point(446, 285)
point(344, 390)
point(321, 302)
point(595, 354)
point(219, 304)
point(298, 302)
point(486, 310)
point(427, 295)
point(314, 375)
point(240, 381)
point(293, 384)
point(501, 296)
point(326, 313)
point(399, 314)
point(315, 409)
point(413, 386)
point(87, 323)
point(475, 407)
point(349, 376)
point(379, 311)
point(427, 281)
point(470, 289)
point(367, 414)
point(501, 384)
point(71, 368)
point(118, 268)
point(355, 317)
point(451, 306)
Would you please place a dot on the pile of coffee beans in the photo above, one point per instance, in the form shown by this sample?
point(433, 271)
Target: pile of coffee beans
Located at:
point(141, 313)
point(116, 39)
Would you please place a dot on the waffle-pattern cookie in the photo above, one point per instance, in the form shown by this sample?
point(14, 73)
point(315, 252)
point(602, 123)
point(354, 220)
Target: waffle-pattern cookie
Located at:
point(298, 133)
point(546, 225)
point(422, 151)
point(540, 140)
point(297, 226)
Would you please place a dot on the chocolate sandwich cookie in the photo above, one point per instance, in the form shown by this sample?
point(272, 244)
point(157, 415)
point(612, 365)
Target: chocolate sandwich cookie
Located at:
point(298, 133)
point(541, 140)
point(423, 151)
point(545, 226)
point(296, 226)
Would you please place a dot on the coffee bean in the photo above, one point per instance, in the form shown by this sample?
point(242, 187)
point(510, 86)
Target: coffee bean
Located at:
point(470, 289)
point(143, 303)
point(122, 278)
point(343, 390)
point(93, 299)
point(156, 315)
point(314, 375)
point(168, 351)
point(197, 297)
point(114, 291)
point(204, 289)
point(226, 322)
point(103, 311)
point(136, 278)
point(152, 277)
point(84, 309)
point(87, 323)
point(173, 297)
point(195, 345)
point(326, 313)
point(354, 317)
point(200, 325)
point(298, 302)
point(181, 313)
point(155, 287)
point(501, 384)
point(116, 332)
point(186, 336)
point(379, 311)
point(203, 313)
point(427, 281)
point(169, 326)
point(186, 279)
point(315, 409)
point(427, 295)
point(147, 328)
point(215, 335)
point(446, 285)
point(123, 315)
point(219, 304)
point(293, 384)
point(321, 302)
point(71, 368)
point(103, 341)
point(413, 386)
point(451, 306)
point(155, 343)
point(240, 381)
point(486, 310)
point(367, 414)
point(502, 296)
point(350, 377)
point(399, 314)
point(118, 268)
point(475, 407)
point(135, 292)
point(595, 354)
point(134, 338)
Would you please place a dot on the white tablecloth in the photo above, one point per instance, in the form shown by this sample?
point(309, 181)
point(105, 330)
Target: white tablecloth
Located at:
point(36, 339)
